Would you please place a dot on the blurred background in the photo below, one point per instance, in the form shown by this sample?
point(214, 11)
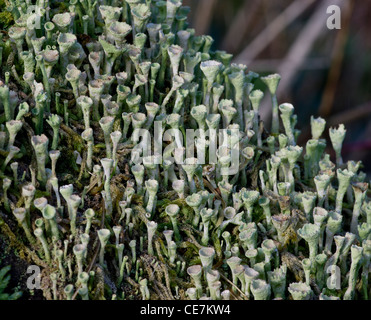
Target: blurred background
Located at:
point(324, 72)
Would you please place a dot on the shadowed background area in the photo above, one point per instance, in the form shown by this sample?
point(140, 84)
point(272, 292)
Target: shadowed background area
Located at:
point(324, 72)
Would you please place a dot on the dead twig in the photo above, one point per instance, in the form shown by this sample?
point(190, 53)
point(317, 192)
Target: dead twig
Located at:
point(203, 19)
point(233, 285)
point(240, 25)
point(337, 60)
point(272, 31)
point(315, 26)
point(92, 262)
point(362, 111)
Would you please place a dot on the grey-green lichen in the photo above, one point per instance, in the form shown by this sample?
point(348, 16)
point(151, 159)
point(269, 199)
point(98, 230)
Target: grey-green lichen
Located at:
point(106, 219)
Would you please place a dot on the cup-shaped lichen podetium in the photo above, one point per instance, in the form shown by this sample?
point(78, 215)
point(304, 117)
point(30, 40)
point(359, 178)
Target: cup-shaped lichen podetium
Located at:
point(5, 100)
point(151, 228)
point(106, 124)
point(260, 289)
point(107, 165)
point(227, 110)
point(210, 69)
point(168, 236)
point(152, 109)
point(65, 42)
point(300, 291)
point(66, 191)
point(308, 201)
point(111, 52)
point(287, 111)
point(140, 15)
point(38, 44)
point(320, 272)
point(272, 82)
point(207, 255)
point(190, 165)
point(115, 138)
point(17, 34)
point(79, 251)
point(360, 190)
point(172, 251)
point(177, 82)
point(143, 285)
point(269, 248)
point(233, 262)
point(73, 203)
point(212, 277)
point(333, 226)
point(21, 216)
point(63, 21)
point(256, 97)
point(23, 109)
point(40, 145)
point(337, 137)
point(206, 215)
point(55, 122)
point(249, 198)
point(250, 275)
point(277, 279)
point(229, 214)
point(49, 213)
point(152, 188)
point(138, 172)
point(194, 201)
point(195, 272)
point(317, 127)
point(103, 235)
point(322, 183)
point(172, 7)
point(89, 215)
point(310, 233)
point(175, 54)
point(13, 127)
point(118, 31)
point(138, 120)
point(110, 14)
point(51, 58)
point(172, 211)
point(87, 135)
point(319, 217)
point(199, 113)
point(249, 235)
point(344, 178)
point(356, 255)
point(95, 59)
point(38, 232)
point(73, 77)
point(174, 121)
point(68, 291)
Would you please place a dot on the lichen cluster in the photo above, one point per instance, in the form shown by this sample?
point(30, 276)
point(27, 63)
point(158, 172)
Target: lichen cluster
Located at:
point(79, 82)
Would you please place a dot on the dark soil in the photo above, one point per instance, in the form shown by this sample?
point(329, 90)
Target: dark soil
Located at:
point(18, 272)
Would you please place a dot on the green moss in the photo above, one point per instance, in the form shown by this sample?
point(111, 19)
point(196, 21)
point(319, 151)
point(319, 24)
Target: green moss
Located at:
point(39, 194)
point(6, 19)
point(4, 282)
